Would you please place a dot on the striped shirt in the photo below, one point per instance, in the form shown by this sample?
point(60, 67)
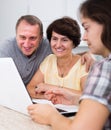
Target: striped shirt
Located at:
point(98, 85)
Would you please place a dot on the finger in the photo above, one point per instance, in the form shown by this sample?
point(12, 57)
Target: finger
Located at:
point(58, 91)
point(40, 90)
point(30, 107)
point(49, 92)
point(88, 66)
point(54, 100)
point(49, 96)
point(82, 60)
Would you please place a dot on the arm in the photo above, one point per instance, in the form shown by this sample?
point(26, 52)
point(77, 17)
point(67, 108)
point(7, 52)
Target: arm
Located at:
point(37, 78)
point(57, 94)
point(88, 58)
point(65, 95)
point(37, 88)
point(91, 116)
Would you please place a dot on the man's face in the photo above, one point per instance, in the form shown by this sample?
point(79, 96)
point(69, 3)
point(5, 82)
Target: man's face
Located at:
point(28, 37)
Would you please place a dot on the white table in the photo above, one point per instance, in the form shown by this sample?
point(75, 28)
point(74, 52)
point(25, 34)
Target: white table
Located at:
point(12, 120)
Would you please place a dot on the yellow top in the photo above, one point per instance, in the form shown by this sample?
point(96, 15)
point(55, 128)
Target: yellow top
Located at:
point(72, 80)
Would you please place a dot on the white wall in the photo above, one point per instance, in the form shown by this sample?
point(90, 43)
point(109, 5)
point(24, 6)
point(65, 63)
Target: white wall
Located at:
point(46, 10)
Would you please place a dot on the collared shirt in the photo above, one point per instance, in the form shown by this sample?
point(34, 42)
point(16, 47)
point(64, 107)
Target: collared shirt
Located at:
point(98, 85)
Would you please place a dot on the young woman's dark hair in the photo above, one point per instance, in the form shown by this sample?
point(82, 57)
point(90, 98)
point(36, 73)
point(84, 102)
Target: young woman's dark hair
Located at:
point(65, 26)
point(97, 11)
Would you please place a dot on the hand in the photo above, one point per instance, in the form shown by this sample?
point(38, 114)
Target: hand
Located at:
point(42, 113)
point(87, 58)
point(63, 96)
point(43, 88)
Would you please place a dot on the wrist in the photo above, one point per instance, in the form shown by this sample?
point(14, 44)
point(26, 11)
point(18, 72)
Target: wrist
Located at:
point(59, 122)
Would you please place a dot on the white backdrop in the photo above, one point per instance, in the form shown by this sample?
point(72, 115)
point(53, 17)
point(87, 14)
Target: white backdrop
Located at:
point(46, 10)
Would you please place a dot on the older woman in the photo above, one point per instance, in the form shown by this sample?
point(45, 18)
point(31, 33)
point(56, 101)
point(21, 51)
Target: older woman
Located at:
point(63, 68)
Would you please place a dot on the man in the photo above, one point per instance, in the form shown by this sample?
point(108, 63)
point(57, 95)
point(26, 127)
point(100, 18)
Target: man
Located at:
point(29, 47)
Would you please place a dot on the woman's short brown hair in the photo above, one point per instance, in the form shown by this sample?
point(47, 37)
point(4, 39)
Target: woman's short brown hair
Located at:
point(65, 26)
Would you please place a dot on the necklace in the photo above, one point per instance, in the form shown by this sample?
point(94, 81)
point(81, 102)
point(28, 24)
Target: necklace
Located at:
point(62, 75)
point(65, 67)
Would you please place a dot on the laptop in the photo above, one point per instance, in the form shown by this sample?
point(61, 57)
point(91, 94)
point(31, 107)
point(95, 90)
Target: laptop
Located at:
point(66, 110)
point(13, 93)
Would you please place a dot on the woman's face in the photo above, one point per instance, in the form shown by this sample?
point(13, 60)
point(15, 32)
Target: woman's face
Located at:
point(61, 45)
point(92, 35)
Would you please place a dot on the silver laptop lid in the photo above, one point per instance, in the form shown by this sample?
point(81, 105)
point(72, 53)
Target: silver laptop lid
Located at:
point(13, 93)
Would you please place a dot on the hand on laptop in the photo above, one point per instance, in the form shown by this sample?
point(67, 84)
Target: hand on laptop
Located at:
point(62, 96)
